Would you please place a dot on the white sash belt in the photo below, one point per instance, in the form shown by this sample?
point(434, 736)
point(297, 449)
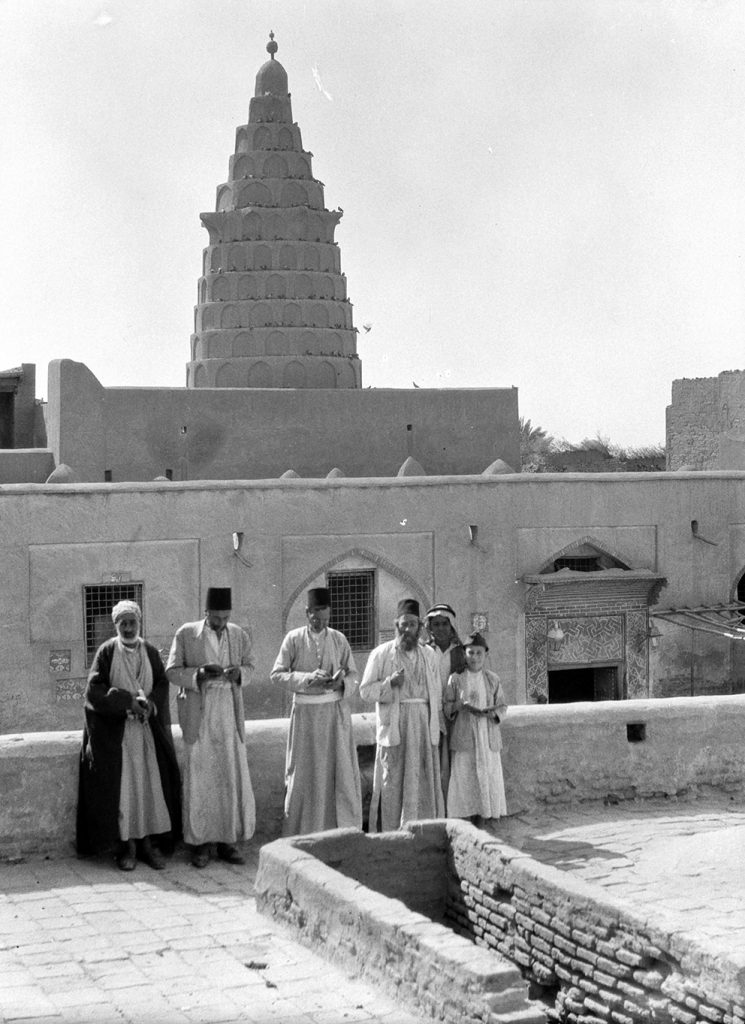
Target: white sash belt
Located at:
point(318, 698)
point(414, 700)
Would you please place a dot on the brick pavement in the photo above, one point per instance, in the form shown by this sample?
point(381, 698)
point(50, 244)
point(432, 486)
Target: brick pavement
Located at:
point(682, 863)
point(83, 943)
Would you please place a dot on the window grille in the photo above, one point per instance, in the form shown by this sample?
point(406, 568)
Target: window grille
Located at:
point(578, 564)
point(353, 606)
point(97, 604)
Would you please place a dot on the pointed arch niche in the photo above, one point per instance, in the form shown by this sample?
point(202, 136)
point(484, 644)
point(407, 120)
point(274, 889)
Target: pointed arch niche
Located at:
point(587, 625)
point(403, 567)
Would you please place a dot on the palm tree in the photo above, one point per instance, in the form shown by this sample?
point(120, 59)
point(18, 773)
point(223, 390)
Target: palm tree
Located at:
point(535, 444)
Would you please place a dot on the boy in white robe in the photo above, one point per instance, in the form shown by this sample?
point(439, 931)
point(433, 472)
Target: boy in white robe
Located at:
point(474, 703)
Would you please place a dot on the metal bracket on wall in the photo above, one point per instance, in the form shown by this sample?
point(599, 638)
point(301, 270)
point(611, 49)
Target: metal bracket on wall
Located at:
point(697, 535)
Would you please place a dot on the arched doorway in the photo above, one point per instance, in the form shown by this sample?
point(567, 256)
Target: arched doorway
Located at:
point(587, 625)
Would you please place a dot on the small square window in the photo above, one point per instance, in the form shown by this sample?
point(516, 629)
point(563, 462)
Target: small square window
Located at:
point(353, 606)
point(97, 604)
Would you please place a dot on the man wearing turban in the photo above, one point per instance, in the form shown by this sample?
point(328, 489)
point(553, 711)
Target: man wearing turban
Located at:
point(129, 785)
point(439, 622)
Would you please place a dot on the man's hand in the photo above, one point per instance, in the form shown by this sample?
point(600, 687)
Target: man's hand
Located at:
point(233, 673)
point(140, 708)
point(316, 682)
point(397, 679)
point(207, 672)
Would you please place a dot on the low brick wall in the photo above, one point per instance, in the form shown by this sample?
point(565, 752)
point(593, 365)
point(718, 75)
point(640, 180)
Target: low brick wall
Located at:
point(571, 753)
point(623, 750)
point(582, 956)
point(304, 883)
point(39, 784)
point(591, 960)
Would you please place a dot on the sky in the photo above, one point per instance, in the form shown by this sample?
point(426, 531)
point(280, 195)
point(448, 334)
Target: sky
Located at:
point(546, 194)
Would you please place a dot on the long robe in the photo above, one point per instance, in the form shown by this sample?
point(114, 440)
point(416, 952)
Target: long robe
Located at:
point(406, 780)
point(322, 775)
point(451, 660)
point(476, 780)
point(118, 798)
point(219, 804)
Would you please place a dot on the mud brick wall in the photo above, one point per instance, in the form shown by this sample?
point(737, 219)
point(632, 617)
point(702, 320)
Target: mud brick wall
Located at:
point(409, 866)
point(589, 960)
point(694, 424)
point(418, 961)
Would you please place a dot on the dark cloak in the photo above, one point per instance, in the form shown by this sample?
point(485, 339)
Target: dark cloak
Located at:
point(101, 754)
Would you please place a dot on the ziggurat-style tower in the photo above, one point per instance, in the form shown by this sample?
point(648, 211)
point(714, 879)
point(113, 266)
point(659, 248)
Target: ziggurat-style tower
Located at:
point(273, 309)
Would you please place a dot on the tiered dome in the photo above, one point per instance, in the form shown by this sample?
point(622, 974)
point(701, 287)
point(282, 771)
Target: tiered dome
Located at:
point(273, 309)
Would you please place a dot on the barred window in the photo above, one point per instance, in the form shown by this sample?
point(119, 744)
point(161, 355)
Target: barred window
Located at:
point(97, 604)
point(353, 606)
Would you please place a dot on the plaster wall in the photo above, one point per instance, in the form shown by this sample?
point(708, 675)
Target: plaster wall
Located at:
point(25, 465)
point(177, 539)
point(25, 408)
point(552, 756)
point(259, 433)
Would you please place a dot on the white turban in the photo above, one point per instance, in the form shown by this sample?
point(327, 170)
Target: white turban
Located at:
point(126, 608)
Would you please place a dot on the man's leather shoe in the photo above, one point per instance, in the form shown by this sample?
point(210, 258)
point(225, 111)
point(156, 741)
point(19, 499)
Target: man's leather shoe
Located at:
point(228, 852)
point(151, 855)
point(200, 856)
point(126, 859)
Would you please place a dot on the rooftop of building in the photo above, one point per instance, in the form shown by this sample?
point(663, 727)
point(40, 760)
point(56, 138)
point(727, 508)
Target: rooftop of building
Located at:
point(80, 941)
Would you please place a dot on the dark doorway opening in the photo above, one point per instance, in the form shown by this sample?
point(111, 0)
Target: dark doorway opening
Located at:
point(7, 419)
point(589, 682)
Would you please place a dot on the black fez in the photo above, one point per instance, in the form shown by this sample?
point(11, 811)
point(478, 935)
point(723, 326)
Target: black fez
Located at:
point(218, 599)
point(407, 606)
point(476, 640)
point(319, 597)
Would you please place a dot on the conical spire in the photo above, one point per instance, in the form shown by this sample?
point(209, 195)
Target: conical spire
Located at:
point(272, 307)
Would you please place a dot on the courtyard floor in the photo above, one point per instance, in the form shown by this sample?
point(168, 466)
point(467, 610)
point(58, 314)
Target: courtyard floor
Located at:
point(82, 942)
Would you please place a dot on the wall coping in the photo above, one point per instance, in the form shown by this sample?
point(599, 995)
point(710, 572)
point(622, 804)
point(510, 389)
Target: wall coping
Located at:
point(625, 711)
point(519, 716)
point(373, 483)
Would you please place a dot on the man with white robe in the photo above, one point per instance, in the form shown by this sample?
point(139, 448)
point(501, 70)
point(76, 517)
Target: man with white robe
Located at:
point(322, 775)
point(444, 642)
point(210, 661)
point(402, 678)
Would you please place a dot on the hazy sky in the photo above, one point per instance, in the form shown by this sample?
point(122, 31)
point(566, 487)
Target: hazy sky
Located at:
point(540, 193)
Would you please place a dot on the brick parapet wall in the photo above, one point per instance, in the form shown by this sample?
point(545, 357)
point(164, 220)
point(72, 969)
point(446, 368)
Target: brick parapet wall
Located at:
point(545, 941)
point(420, 962)
point(589, 958)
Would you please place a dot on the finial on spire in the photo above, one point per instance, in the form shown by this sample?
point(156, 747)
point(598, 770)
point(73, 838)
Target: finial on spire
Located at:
point(271, 46)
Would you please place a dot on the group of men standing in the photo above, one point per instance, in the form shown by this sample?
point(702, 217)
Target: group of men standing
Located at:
point(210, 662)
point(405, 680)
